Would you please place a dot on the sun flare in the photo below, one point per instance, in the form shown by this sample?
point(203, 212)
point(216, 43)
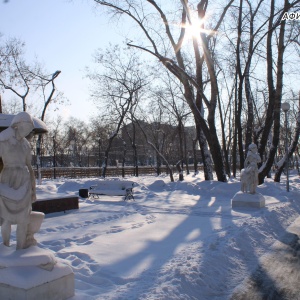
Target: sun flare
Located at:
point(195, 26)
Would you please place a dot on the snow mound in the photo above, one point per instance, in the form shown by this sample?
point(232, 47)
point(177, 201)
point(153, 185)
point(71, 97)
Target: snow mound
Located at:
point(157, 185)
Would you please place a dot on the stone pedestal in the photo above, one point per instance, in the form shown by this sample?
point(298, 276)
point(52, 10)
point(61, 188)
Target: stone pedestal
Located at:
point(241, 199)
point(34, 273)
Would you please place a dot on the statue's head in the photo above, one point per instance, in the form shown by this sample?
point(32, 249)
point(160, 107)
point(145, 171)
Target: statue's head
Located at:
point(23, 124)
point(252, 147)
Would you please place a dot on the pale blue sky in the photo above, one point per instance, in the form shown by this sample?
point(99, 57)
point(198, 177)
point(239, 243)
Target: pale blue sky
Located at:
point(63, 35)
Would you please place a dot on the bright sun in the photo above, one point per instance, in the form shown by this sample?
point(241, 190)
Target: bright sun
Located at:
point(193, 26)
point(193, 31)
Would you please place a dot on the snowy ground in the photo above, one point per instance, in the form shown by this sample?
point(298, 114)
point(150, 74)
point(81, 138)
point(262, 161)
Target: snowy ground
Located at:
point(177, 240)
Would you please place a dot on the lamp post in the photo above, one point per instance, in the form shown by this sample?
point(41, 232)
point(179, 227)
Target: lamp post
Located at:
point(285, 107)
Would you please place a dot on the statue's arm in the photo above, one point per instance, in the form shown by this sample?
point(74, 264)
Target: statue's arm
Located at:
point(32, 179)
point(258, 158)
point(246, 161)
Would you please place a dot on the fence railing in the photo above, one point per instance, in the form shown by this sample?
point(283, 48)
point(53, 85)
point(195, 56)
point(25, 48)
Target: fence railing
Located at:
point(80, 172)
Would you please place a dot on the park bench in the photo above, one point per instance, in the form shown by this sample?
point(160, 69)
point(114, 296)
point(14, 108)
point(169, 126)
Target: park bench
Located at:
point(57, 203)
point(112, 188)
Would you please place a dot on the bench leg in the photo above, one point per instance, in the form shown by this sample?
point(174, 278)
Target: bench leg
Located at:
point(93, 196)
point(129, 195)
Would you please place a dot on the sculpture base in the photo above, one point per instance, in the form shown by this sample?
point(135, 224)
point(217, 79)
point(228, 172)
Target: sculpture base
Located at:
point(34, 273)
point(241, 199)
point(56, 284)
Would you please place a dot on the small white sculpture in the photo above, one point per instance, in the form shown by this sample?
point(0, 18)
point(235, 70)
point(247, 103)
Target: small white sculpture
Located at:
point(17, 183)
point(249, 175)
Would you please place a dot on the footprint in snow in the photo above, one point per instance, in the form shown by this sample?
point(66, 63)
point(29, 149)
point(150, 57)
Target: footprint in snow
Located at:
point(138, 225)
point(115, 229)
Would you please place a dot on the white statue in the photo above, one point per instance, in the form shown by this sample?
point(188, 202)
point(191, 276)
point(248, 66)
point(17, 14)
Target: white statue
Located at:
point(17, 183)
point(249, 175)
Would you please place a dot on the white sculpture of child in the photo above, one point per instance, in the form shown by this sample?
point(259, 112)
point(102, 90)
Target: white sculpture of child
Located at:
point(249, 175)
point(17, 180)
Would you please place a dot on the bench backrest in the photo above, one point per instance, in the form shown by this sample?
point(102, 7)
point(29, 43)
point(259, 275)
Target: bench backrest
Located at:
point(111, 185)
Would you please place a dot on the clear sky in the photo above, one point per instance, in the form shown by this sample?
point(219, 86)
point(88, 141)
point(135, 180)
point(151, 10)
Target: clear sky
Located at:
point(63, 34)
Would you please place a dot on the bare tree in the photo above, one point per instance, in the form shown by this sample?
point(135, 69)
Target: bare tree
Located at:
point(100, 130)
point(131, 133)
point(169, 98)
point(42, 83)
point(15, 74)
point(118, 86)
point(23, 79)
point(294, 143)
point(155, 147)
point(176, 64)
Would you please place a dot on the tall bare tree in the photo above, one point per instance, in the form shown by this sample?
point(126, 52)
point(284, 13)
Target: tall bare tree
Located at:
point(170, 99)
point(117, 86)
point(175, 62)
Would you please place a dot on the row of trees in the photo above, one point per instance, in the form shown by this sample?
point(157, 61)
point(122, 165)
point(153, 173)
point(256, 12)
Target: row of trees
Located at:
point(212, 65)
point(80, 144)
point(230, 71)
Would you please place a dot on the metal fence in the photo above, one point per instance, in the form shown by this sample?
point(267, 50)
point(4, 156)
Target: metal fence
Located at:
point(80, 172)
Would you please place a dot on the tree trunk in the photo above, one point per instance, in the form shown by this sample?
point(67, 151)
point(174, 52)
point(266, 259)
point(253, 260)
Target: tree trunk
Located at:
point(133, 142)
point(158, 163)
point(277, 105)
point(180, 171)
point(206, 158)
point(180, 129)
point(234, 146)
point(238, 142)
point(225, 151)
point(216, 153)
point(195, 156)
point(135, 160)
point(248, 92)
point(104, 165)
point(290, 151)
point(124, 158)
point(186, 156)
point(269, 115)
point(212, 139)
point(250, 115)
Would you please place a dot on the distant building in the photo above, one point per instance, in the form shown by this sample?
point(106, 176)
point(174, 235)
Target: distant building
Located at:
point(164, 137)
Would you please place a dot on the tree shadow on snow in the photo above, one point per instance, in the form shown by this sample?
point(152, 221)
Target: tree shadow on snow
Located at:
point(206, 271)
